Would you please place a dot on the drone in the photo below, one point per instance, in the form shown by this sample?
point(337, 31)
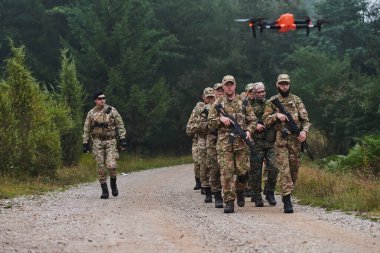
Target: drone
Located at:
point(283, 24)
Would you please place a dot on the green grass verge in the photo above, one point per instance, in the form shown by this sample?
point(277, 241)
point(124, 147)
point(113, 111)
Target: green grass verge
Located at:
point(16, 184)
point(338, 191)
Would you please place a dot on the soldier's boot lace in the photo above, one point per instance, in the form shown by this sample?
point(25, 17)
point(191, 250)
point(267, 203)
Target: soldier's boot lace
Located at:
point(229, 207)
point(105, 193)
point(240, 198)
point(218, 199)
point(114, 189)
point(288, 207)
point(258, 200)
point(270, 198)
point(197, 183)
point(208, 194)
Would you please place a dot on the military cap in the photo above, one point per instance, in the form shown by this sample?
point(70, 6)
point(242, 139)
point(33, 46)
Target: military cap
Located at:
point(283, 78)
point(208, 92)
point(97, 94)
point(227, 79)
point(249, 86)
point(217, 86)
point(258, 84)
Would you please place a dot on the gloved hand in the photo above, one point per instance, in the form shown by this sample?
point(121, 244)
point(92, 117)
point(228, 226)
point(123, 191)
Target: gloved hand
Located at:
point(85, 147)
point(123, 143)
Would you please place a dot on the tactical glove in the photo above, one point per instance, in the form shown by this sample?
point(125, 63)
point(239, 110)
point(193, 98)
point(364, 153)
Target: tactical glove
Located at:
point(85, 147)
point(123, 143)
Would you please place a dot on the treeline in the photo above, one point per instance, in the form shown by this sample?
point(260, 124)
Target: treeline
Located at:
point(154, 58)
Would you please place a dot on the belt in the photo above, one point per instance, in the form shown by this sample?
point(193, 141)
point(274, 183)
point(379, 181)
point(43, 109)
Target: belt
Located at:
point(104, 138)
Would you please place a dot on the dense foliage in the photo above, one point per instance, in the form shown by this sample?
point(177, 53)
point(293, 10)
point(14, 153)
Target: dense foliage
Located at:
point(154, 58)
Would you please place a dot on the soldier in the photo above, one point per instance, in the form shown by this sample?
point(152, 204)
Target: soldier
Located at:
point(190, 131)
point(212, 159)
point(264, 138)
point(233, 154)
point(287, 145)
point(203, 132)
point(103, 124)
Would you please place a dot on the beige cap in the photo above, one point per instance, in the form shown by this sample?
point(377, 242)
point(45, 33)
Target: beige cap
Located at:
point(217, 86)
point(208, 92)
point(259, 85)
point(249, 86)
point(283, 78)
point(227, 79)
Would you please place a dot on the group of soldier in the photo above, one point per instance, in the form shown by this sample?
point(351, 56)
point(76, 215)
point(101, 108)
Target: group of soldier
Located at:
point(224, 165)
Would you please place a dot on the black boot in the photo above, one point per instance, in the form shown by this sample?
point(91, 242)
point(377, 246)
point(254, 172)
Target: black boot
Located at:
point(247, 193)
point(197, 183)
point(105, 193)
point(229, 207)
point(257, 199)
point(288, 207)
point(208, 194)
point(202, 191)
point(240, 198)
point(270, 198)
point(114, 189)
point(218, 199)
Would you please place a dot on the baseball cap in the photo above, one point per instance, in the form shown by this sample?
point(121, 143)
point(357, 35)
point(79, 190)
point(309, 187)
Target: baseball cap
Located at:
point(249, 86)
point(208, 92)
point(283, 78)
point(227, 79)
point(217, 86)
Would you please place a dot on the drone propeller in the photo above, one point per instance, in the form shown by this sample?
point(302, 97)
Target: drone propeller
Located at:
point(250, 20)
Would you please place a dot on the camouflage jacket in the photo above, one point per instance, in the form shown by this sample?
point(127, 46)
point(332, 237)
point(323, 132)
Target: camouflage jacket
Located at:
point(103, 122)
point(191, 127)
point(294, 106)
point(243, 114)
point(267, 137)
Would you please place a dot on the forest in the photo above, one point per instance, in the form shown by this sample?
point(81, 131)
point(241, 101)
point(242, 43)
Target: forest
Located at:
point(154, 58)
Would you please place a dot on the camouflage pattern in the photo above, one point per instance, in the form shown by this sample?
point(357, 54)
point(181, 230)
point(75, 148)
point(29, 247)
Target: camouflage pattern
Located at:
point(191, 131)
point(102, 125)
point(264, 149)
point(287, 149)
point(233, 158)
point(202, 130)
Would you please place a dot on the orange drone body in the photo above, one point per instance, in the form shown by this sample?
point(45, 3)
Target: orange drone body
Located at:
point(286, 23)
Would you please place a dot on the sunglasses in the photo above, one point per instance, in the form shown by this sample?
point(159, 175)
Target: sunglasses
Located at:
point(101, 98)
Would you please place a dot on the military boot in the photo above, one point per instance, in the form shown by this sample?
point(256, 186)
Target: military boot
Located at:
point(218, 199)
point(240, 198)
point(105, 193)
point(257, 199)
point(270, 198)
point(288, 207)
point(114, 189)
point(229, 207)
point(197, 183)
point(208, 194)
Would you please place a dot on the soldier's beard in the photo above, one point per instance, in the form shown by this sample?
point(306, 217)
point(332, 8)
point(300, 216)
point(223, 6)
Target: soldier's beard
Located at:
point(284, 94)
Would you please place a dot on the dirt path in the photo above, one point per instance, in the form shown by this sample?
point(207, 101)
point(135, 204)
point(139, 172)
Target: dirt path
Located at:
point(157, 211)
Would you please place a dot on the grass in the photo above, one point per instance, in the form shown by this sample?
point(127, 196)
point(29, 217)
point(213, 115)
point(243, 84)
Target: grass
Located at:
point(338, 191)
point(16, 184)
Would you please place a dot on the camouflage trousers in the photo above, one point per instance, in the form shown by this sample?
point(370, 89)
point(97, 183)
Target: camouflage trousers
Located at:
point(204, 169)
point(256, 169)
point(194, 152)
point(212, 163)
point(105, 154)
point(231, 163)
point(288, 162)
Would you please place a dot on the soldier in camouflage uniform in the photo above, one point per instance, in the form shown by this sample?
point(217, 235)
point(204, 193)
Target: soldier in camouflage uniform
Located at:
point(264, 138)
point(212, 159)
point(190, 131)
point(103, 124)
point(233, 153)
point(203, 131)
point(287, 145)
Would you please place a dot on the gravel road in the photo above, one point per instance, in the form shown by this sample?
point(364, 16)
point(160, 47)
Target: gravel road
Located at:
point(158, 211)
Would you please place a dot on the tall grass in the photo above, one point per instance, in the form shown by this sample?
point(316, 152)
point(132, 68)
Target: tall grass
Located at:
point(335, 190)
point(14, 184)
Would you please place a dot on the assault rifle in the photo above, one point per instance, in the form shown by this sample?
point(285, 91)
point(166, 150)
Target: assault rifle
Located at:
point(292, 126)
point(237, 131)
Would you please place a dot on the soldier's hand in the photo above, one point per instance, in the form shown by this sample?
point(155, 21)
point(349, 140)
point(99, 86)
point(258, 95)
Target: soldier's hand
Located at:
point(260, 127)
point(249, 137)
point(85, 147)
point(226, 121)
point(123, 143)
point(302, 136)
point(282, 117)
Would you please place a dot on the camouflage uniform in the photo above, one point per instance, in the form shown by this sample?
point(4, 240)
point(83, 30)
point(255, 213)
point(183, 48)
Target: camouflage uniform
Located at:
point(191, 131)
point(287, 148)
point(233, 158)
point(102, 125)
point(263, 150)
